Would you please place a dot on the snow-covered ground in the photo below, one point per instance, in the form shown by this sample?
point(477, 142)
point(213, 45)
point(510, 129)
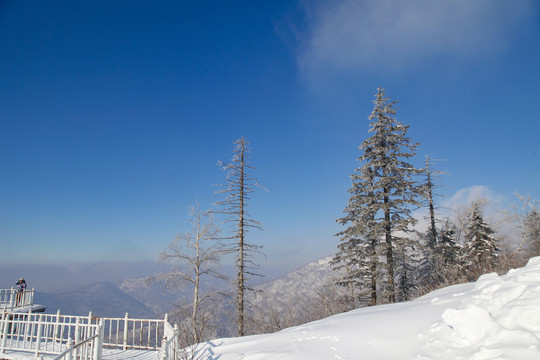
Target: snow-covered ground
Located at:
point(497, 317)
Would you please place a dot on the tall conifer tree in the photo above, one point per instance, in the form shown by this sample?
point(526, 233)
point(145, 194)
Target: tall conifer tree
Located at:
point(383, 194)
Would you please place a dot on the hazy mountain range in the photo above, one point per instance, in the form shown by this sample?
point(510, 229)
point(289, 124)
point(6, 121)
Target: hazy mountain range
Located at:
point(102, 299)
point(142, 300)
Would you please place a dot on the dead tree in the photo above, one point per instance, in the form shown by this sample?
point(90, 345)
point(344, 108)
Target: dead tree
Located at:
point(237, 189)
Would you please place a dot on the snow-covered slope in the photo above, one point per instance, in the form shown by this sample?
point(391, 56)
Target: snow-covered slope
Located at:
point(302, 282)
point(497, 317)
point(155, 296)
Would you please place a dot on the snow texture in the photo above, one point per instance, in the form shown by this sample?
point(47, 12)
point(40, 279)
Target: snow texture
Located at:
point(497, 317)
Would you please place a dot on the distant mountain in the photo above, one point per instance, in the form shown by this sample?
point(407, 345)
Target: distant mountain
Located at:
point(301, 282)
point(142, 300)
point(102, 299)
point(156, 296)
point(303, 295)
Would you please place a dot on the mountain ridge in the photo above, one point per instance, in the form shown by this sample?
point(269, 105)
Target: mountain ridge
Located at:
point(103, 299)
point(143, 299)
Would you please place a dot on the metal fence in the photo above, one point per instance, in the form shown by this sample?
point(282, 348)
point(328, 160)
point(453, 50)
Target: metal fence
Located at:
point(41, 333)
point(84, 337)
point(127, 333)
point(10, 299)
point(89, 349)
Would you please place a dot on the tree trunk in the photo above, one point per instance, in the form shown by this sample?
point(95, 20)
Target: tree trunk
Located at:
point(373, 272)
point(389, 251)
point(433, 240)
point(241, 249)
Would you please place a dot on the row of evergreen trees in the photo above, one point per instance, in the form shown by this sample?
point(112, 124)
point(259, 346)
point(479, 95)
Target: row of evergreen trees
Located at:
point(381, 257)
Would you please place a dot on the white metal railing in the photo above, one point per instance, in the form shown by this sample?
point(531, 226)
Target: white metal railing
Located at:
point(127, 333)
point(11, 299)
point(170, 346)
point(89, 349)
point(41, 333)
point(74, 337)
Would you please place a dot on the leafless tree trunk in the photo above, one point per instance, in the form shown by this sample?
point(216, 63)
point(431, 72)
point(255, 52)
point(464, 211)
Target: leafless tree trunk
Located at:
point(193, 257)
point(239, 184)
point(429, 186)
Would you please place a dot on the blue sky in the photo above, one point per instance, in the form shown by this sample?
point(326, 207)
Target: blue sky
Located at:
point(114, 114)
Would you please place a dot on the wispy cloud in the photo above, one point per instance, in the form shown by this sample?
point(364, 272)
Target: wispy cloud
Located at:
point(494, 205)
point(465, 197)
point(365, 35)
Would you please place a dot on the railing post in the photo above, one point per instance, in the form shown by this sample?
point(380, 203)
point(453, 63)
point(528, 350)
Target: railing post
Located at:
point(28, 297)
point(163, 352)
point(4, 331)
point(57, 325)
point(27, 327)
point(39, 334)
point(176, 345)
point(12, 299)
point(77, 330)
point(126, 331)
point(70, 345)
point(101, 337)
point(77, 333)
point(98, 343)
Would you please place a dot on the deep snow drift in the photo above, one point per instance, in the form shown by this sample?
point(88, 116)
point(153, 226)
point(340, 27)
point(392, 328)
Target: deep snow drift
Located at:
point(497, 317)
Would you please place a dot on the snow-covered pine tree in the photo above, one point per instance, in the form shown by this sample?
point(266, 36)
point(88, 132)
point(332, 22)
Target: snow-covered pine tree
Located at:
point(237, 189)
point(408, 262)
point(480, 251)
point(447, 247)
point(531, 232)
point(358, 254)
point(384, 190)
point(448, 263)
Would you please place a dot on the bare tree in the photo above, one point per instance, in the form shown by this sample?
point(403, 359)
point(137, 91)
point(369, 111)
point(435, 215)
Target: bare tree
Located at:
point(529, 223)
point(429, 271)
point(429, 192)
point(239, 185)
point(193, 258)
point(270, 314)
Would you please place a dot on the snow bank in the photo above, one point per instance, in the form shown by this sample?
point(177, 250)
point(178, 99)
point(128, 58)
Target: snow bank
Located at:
point(501, 320)
point(498, 317)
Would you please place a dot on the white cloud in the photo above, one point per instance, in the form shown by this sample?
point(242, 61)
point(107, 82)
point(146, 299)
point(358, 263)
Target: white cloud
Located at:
point(466, 196)
point(380, 34)
point(494, 204)
point(494, 208)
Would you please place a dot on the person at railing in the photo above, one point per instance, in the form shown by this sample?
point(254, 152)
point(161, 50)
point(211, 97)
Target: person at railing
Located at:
point(21, 287)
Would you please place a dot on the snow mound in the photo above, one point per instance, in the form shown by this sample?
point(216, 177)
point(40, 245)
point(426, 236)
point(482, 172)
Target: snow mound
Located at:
point(497, 317)
point(500, 321)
